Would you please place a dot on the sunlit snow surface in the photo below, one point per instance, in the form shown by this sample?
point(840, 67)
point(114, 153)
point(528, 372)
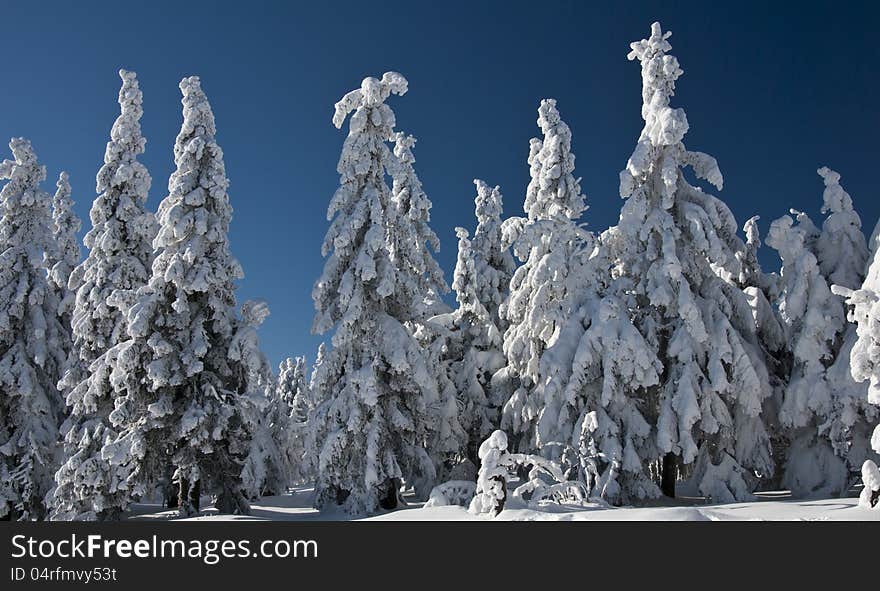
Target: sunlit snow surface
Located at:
point(773, 506)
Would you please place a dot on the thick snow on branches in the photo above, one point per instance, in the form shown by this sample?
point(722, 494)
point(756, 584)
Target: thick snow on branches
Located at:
point(668, 366)
point(178, 388)
point(381, 406)
point(120, 255)
point(66, 255)
point(656, 357)
point(865, 352)
point(33, 341)
point(548, 242)
point(824, 410)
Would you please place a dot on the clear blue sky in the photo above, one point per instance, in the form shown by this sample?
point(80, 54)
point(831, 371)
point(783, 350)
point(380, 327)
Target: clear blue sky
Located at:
point(772, 92)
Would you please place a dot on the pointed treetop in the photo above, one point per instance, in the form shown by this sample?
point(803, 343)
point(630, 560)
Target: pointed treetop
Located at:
point(487, 204)
point(254, 312)
point(196, 108)
point(403, 147)
point(553, 190)
point(372, 93)
point(126, 132)
point(23, 154)
point(834, 199)
point(753, 236)
point(659, 73)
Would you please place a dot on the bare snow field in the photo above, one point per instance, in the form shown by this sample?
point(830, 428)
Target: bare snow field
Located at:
point(771, 506)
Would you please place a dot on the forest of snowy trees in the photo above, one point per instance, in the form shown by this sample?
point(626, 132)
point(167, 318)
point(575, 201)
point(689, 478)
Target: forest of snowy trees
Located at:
point(654, 358)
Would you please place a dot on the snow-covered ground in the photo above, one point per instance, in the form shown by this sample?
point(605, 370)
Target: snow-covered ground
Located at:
point(296, 506)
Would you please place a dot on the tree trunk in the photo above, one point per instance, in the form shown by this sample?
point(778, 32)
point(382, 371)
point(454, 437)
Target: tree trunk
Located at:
point(389, 496)
point(669, 474)
point(195, 495)
point(172, 501)
point(189, 497)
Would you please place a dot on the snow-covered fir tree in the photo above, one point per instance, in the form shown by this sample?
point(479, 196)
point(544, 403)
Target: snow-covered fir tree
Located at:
point(119, 258)
point(844, 258)
point(549, 243)
point(267, 467)
point(823, 407)
point(372, 429)
point(32, 339)
point(482, 281)
point(292, 387)
point(178, 391)
point(668, 376)
point(66, 255)
point(863, 356)
point(303, 446)
point(412, 238)
point(841, 249)
point(493, 262)
point(293, 394)
point(762, 291)
point(491, 492)
point(480, 352)
point(466, 344)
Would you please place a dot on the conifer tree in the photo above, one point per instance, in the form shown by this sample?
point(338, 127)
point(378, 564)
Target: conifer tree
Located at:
point(823, 408)
point(119, 258)
point(668, 375)
point(32, 339)
point(66, 256)
point(371, 431)
point(178, 400)
point(547, 241)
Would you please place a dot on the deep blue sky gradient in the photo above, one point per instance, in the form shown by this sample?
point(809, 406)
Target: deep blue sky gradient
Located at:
point(772, 92)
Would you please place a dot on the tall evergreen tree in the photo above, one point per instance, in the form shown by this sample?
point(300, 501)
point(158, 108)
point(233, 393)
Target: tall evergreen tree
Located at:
point(119, 258)
point(864, 355)
point(547, 241)
point(493, 263)
point(178, 390)
point(669, 368)
point(267, 467)
point(293, 394)
point(371, 432)
point(823, 408)
point(469, 340)
point(32, 339)
point(66, 256)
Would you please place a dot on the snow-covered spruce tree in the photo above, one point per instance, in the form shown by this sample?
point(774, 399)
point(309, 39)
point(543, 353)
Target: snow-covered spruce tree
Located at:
point(549, 242)
point(493, 262)
point(491, 493)
point(841, 249)
point(66, 255)
point(762, 290)
point(479, 351)
point(178, 390)
point(844, 258)
point(864, 306)
point(466, 344)
point(119, 258)
point(32, 339)
point(293, 394)
point(292, 386)
point(669, 376)
point(304, 448)
point(371, 430)
point(814, 320)
point(412, 239)
point(823, 408)
point(267, 467)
